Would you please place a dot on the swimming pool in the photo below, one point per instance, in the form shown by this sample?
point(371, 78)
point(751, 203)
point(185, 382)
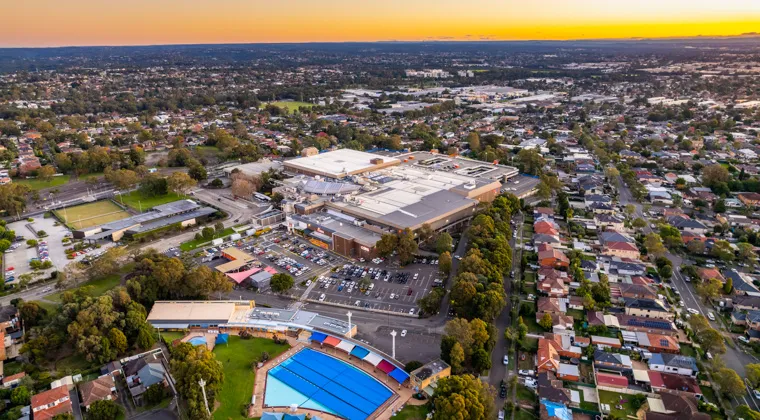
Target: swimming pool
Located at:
point(312, 379)
point(197, 341)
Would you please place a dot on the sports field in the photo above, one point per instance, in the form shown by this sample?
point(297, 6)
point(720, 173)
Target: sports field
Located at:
point(91, 214)
point(290, 106)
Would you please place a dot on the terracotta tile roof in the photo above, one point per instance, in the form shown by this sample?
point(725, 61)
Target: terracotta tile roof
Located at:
point(95, 390)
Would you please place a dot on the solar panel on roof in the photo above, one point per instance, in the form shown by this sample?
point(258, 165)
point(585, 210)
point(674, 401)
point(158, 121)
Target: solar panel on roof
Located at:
point(664, 342)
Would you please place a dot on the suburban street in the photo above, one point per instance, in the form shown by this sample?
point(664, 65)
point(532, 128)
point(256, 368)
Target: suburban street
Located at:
point(734, 358)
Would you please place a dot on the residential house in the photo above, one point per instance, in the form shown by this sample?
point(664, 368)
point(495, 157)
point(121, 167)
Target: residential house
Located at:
point(621, 249)
point(557, 308)
point(651, 325)
point(611, 381)
point(568, 372)
point(749, 199)
point(50, 403)
point(615, 362)
point(673, 363)
point(658, 342)
point(675, 407)
point(12, 381)
point(647, 308)
point(547, 357)
point(710, 273)
point(606, 221)
point(143, 372)
point(636, 291)
point(748, 302)
point(686, 224)
point(669, 382)
point(545, 227)
point(606, 342)
point(550, 388)
point(551, 257)
point(553, 282)
point(99, 389)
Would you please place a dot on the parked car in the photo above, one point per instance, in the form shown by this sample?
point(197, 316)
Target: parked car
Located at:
point(506, 360)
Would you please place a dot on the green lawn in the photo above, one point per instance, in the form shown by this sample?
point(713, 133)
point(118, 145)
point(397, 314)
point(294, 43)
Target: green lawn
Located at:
point(523, 414)
point(170, 336)
point(290, 106)
point(37, 184)
point(525, 394)
point(85, 177)
point(613, 399)
point(412, 412)
point(99, 286)
point(195, 243)
point(137, 200)
point(72, 363)
point(91, 214)
point(236, 357)
point(577, 315)
point(48, 306)
point(688, 350)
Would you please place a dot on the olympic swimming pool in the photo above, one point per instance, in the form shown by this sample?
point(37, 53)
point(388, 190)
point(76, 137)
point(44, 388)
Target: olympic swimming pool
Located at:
point(314, 380)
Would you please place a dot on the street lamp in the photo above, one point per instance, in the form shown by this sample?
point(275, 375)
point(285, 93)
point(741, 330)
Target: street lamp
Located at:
point(349, 323)
point(202, 383)
point(393, 348)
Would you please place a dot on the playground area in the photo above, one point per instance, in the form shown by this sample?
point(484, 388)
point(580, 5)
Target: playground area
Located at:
point(91, 214)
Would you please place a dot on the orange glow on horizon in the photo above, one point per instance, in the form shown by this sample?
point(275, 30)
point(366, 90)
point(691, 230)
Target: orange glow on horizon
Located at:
point(142, 22)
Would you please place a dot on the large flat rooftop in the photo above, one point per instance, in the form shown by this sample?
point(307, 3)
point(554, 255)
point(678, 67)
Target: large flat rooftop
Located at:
point(455, 164)
point(339, 163)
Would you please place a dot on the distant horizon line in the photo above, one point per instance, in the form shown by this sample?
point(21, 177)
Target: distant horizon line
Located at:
point(391, 41)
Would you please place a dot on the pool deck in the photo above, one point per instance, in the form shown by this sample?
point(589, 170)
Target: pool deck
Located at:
point(401, 395)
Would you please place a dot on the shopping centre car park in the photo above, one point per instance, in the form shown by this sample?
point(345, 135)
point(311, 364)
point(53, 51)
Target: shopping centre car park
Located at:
point(399, 293)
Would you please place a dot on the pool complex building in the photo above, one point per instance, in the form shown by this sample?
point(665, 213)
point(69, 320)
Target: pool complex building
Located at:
point(314, 380)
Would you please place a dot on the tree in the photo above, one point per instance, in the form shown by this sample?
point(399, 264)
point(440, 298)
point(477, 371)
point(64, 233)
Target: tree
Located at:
point(180, 183)
point(473, 139)
point(709, 289)
point(197, 172)
point(522, 329)
point(407, 247)
point(425, 232)
point(457, 358)
point(747, 253)
point(154, 394)
point(118, 340)
point(654, 246)
point(108, 263)
point(216, 183)
point(190, 363)
point(32, 243)
point(243, 188)
point(123, 179)
point(744, 412)
point(13, 198)
point(671, 236)
point(31, 313)
point(639, 223)
point(462, 397)
point(481, 360)
point(666, 272)
point(219, 227)
point(281, 282)
point(696, 246)
point(145, 339)
point(753, 374)
point(723, 251)
point(630, 210)
point(46, 173)
point(530, 161)
point(444, 263)
point(714, 174)
point(412, 366)
point(712, 340)
point(431, 303)
point(443, 243)
point(459, 328)
point(729, 382)
point(207, 233)
point(728, 286)
point(103, 410)
point(21, 396)
point(387, 244)
point(546, 321)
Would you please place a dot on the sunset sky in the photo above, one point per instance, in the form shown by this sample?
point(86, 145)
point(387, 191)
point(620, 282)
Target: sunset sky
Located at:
point(41, 23)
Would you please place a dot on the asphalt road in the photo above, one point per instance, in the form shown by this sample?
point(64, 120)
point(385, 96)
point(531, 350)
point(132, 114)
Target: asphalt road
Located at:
point(498, 370)
point(734, 358)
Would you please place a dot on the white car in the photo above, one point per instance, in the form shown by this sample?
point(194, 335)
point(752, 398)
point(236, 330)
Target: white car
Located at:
point(692, 311)
point(506, 360)
point(524, 372)
point(744, 340)
point(757, 393)
point(403, 333)
point(322, 297)
point(411, 311)
point(392, 296)
point(711, 316)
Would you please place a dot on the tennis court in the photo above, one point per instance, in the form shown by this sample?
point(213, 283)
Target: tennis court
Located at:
point(91, 214)
point(311, 379)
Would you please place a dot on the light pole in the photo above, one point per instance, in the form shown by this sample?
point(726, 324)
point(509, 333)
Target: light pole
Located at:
point(349, 323)
point(202, 383)
point(393, 348)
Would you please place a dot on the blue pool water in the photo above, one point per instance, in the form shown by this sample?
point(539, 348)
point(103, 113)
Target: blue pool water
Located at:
point(197, 341)
point(312, 379)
